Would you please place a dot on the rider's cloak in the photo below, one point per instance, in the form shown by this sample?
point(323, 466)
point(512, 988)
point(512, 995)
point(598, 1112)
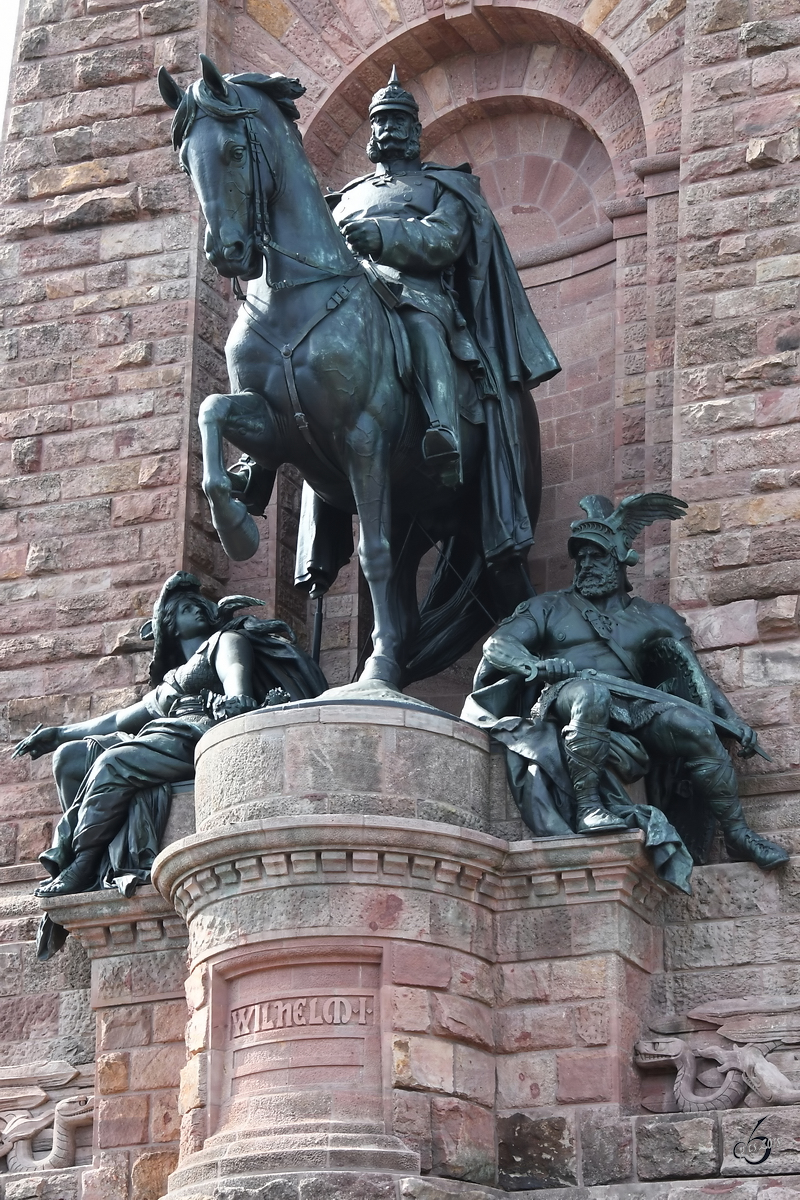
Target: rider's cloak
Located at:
point(515, 355)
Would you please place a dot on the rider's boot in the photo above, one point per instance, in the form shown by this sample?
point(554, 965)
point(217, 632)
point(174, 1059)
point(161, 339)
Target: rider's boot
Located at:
point(715, 779)
point(79, 876)
point(436, 384)
point(586, 748)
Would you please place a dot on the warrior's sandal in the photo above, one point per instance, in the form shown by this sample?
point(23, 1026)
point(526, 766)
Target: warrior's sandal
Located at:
point(747, 846)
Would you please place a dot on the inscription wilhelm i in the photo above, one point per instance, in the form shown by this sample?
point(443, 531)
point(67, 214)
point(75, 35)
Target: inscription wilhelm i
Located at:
point(294, 1013)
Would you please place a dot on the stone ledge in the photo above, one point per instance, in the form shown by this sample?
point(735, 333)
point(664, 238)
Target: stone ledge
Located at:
point(702, 1189)
point(499, 875)
point(307, 712)
point(106, 922)
point(62, 1183)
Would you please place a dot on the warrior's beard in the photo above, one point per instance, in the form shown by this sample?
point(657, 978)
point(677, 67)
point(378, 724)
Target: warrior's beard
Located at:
point(596, 580)
point(407, 148)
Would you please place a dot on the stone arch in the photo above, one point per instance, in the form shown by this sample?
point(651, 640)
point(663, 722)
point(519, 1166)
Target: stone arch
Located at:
point(343, 49)
point(469, 88)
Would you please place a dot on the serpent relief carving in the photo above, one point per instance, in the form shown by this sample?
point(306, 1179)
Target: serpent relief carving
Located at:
point(28, 1112)
point(755, 1044)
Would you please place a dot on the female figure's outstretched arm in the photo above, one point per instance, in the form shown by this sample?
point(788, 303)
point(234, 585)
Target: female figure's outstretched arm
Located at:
point(44, 740)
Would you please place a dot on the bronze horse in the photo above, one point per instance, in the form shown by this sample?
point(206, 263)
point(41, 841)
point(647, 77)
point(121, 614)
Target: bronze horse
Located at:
point(315, 382)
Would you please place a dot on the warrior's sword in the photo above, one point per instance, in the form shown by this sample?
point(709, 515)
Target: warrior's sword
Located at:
point(638, 691)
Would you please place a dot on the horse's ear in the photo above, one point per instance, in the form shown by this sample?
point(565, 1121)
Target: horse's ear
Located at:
point(213, 80)
point(171, 94)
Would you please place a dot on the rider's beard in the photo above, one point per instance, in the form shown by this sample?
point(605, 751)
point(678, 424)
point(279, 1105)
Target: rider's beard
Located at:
point(596, 580)
point(407, 148)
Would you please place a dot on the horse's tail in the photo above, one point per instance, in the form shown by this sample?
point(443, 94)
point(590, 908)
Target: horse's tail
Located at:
point(458, 610)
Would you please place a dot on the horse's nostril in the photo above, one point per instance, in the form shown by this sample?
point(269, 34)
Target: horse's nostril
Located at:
point(233, 250)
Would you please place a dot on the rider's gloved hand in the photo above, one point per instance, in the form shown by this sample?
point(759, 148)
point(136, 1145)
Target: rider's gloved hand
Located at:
point(364, 236)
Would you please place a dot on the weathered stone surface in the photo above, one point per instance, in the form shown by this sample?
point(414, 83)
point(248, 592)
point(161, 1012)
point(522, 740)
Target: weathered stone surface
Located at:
point(402, 765)
point(606, 1147)
point(677, 1147)
point(535, 1152)
point(149, 1173)
point(112, 1073)
point(462, 1140)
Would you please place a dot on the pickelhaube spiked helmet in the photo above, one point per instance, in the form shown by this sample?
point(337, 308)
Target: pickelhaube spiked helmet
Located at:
point(395, 97)
point(614, 529)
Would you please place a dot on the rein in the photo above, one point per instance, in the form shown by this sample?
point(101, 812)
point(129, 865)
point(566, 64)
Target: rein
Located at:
point(261, 223)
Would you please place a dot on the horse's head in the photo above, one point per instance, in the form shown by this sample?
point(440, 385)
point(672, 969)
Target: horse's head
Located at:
point(221, 131)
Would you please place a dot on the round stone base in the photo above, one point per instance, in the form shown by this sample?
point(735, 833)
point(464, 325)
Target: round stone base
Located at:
point(258, 1162)
point(369, 759)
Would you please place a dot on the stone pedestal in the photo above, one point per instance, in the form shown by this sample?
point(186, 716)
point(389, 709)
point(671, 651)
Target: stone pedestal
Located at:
point(380, 988)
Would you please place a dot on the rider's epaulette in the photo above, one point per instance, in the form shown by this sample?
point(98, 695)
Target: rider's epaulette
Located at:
point(465, 167)
point(353, 183)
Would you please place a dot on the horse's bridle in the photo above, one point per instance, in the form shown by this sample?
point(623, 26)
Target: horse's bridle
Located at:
point(261, 235)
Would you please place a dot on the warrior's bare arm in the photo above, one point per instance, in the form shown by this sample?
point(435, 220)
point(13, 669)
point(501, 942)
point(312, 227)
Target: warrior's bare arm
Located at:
point(512, 649)
point(233, 660)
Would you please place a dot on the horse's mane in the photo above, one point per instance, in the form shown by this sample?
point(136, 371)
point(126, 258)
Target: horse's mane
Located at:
point(280, 88)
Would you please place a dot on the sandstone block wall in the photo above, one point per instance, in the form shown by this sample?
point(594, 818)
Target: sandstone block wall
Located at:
point(643, 159)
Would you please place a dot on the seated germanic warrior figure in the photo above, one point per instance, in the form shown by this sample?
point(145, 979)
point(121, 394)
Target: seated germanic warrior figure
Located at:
point(113, 773)
point(563, 685)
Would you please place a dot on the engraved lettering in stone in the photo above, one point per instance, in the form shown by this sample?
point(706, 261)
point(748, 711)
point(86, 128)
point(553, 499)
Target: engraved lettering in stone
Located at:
point(243, 1019)
point(337, 1011)
point(300, 1012)
point(283, 1016)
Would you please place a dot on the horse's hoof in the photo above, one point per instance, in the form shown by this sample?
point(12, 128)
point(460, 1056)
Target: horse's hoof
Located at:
point(238, 534)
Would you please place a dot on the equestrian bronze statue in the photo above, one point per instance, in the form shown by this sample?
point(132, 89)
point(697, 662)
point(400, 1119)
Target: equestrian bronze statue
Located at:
point(386, 348)
point(590, 688)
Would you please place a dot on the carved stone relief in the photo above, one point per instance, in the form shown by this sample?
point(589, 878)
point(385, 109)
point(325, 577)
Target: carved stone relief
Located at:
point(732, 1053)
point(42, 1105)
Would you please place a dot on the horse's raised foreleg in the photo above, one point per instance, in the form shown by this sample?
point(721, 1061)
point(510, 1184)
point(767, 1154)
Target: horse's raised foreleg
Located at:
point(219, 417)
point(368, 468)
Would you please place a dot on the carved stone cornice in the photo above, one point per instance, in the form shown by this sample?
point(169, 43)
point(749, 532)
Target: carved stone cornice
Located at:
point(498, 875)
point(107, 923)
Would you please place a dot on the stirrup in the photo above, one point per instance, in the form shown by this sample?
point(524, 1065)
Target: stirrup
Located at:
point(439, 444)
